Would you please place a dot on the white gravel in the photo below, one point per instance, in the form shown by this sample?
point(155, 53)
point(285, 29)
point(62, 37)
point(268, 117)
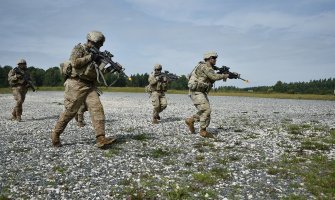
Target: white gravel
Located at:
point(248, 131)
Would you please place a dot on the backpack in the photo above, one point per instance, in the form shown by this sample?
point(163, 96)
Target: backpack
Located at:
point(65, 69)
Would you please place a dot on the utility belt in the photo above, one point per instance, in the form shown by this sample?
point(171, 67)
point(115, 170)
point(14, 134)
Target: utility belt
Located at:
point(160, 91)
point(18, 85)
point(83, 80)
point(200, 87)
point(89, 83)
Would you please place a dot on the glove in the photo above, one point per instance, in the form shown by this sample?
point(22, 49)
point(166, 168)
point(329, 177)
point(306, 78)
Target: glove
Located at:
point(95, 57)
point(234, 75)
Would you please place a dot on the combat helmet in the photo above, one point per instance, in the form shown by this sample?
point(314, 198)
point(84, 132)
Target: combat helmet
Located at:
point(21, 61)
point(209, 54)
point(157, 67)
point(96, 36)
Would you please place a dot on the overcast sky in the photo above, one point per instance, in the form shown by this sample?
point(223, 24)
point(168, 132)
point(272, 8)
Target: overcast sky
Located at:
point(264, 40)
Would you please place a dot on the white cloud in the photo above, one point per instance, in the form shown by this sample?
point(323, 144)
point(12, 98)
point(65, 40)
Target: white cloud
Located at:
point(266, 41)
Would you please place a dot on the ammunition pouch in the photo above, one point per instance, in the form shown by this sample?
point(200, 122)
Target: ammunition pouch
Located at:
point(192, 85)
point(148, 89)
point(199, 86)
point(65, 69)
point(203, 87)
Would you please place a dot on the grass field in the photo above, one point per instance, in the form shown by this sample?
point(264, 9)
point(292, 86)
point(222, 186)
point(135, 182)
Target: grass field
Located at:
point(212, 93)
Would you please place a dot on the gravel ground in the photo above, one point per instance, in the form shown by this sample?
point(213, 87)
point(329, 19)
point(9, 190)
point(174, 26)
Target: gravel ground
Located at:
point(156, 161)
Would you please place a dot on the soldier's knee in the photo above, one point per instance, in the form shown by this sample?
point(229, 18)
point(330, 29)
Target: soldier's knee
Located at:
point(207, 112)
point(163, 106)
point(19, 103)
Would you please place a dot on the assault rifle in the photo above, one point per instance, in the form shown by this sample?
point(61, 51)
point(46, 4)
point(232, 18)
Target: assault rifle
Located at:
point(169, 76)
point(106, 57)
point(232, 75)
point(27, 82)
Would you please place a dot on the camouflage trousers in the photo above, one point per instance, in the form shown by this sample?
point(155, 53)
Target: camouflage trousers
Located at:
point(80, 114)
point(200, 101)
point(159, 102)
point(77, 93)
point(19, 94)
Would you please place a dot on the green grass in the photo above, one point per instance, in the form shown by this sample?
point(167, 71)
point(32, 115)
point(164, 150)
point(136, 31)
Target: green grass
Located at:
point(242, 94)
point(4, 197)
point(294, 129)
point(159, 153)
point(211, 177)
point(316, 171)
point(178, 192)
point(112, 152)
point(309, 144)
point(141, 137)
point(59, 169)
point(204, 178)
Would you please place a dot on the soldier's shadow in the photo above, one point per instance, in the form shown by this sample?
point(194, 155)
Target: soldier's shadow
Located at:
point(90, 142)
point(120, 139)
point(110, 120)
point(87, 141)
point(214, 131)
point(171, 119)
point(43, 118)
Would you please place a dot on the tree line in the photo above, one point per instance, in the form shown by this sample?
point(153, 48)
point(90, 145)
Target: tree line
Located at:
point(52, 77)
point(322, 86)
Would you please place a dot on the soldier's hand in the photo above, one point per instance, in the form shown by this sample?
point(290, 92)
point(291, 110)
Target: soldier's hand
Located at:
point(95, 57)
point(225, 76)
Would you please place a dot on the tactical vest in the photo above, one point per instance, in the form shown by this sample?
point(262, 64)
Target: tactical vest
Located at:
point(86, 72)
point(160, 86)
point(198, 81)
point(16, 77)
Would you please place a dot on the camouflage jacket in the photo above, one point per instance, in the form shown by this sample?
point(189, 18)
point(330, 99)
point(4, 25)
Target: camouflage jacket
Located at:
point(157, 85)
point(18, 77)
point(83, 66)
point(203, 77)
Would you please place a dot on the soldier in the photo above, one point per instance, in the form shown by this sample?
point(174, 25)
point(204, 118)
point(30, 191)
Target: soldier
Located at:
point(158, 87)
point(19, 79)
point(200, 82)
point(80, 88)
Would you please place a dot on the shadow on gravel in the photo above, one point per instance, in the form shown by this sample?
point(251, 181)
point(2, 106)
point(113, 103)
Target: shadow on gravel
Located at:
point(171, 119)
point(43, 118)
point(83, 142)
point(121, 139)
point(214, 131)
point(110, 120)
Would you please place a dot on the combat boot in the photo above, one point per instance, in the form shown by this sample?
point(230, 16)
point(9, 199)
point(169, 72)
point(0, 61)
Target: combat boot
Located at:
point(76, 117)
point(81, 124)
point(80, 120)
point(55, 139)
point(103, 142)
point(190, 123)
point(18, 118)
point(13, 115)
point(155, 120)
point(206, 134)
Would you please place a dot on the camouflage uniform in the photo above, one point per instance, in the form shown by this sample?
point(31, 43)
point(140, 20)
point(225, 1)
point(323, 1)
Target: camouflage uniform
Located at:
point(79, 117)
point(158, 87)
point(16, 78)
point(200, 83)
point(81, 89)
